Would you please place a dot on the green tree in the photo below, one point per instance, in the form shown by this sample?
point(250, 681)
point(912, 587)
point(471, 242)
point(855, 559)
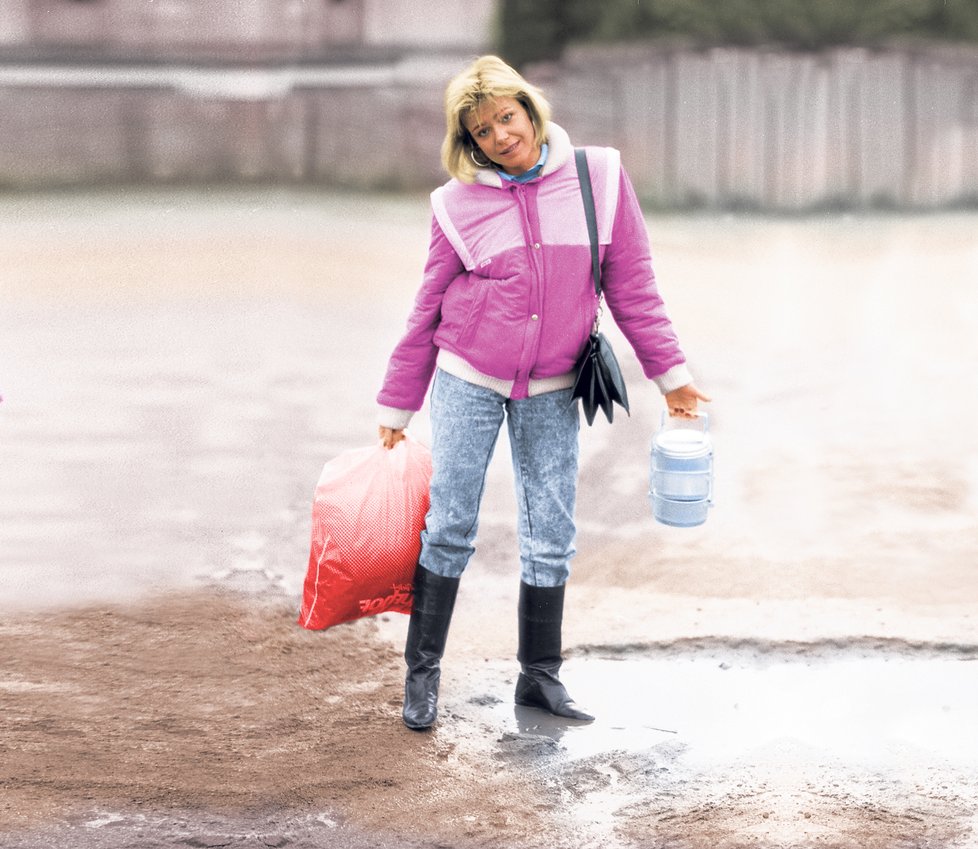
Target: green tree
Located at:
point(533, 30)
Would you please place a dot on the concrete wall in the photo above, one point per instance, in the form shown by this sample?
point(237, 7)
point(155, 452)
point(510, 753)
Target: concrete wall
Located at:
point(370, 126)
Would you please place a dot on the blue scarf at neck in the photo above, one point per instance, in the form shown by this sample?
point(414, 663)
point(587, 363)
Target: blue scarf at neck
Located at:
point(526, 176)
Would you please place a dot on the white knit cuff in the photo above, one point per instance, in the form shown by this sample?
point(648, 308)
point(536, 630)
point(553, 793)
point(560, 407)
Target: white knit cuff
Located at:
point(393, 418)
point(677, 376)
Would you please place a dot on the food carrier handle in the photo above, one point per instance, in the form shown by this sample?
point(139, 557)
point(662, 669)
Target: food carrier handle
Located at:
point(705, 417)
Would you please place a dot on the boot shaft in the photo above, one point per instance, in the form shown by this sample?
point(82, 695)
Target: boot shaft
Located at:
point(541, 615)
point(431, 616)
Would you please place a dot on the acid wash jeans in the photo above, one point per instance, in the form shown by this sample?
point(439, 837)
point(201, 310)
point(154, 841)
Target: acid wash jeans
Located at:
point(543, 432)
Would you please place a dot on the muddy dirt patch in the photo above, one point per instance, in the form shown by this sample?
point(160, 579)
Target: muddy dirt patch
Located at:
point(212, 719)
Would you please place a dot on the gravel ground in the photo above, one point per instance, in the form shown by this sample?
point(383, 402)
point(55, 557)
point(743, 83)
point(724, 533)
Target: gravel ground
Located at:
point(175, 370)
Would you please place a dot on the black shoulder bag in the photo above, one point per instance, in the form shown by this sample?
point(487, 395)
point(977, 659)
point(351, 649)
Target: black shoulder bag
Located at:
point(599, 382)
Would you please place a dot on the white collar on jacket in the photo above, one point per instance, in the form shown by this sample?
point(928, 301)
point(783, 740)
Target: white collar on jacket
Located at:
point(560, 151)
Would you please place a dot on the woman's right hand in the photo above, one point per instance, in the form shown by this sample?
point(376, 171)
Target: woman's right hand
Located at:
point(389, 436)
point(682, 402)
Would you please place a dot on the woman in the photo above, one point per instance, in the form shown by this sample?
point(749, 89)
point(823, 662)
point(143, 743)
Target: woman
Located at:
point(504, 310)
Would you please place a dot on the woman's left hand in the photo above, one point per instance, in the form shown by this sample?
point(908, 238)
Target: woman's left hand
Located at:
point(390, 436)
point(682, 402)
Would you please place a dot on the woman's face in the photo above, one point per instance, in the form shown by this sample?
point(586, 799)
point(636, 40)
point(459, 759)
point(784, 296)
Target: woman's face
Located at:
point(504, 132)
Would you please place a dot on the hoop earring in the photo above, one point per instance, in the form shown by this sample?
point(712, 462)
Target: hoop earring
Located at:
point(478, 164)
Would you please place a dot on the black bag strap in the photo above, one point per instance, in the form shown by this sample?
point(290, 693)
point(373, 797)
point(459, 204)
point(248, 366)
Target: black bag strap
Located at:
point(584, 178)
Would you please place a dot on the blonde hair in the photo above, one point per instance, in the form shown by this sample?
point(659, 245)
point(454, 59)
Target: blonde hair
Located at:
point(486, 79)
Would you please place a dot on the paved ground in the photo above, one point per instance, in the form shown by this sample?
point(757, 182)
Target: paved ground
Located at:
point(797, 672)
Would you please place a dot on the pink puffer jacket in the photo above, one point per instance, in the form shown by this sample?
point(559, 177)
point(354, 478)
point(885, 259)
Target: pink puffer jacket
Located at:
point(507, 300)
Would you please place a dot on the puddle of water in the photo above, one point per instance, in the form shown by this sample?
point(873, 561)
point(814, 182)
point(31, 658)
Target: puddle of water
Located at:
point(869, 710)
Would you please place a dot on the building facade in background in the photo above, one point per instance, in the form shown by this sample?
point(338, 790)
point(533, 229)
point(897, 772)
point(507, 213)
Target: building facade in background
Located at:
point(239, 29)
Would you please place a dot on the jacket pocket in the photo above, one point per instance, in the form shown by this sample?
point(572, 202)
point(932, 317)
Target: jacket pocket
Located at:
point(477, 308)
point(495, 285)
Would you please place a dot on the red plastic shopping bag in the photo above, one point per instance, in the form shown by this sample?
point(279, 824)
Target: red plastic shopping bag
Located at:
point(367, 518)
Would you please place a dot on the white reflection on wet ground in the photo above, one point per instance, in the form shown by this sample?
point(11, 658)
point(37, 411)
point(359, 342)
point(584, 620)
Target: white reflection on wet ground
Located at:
point(843, 708)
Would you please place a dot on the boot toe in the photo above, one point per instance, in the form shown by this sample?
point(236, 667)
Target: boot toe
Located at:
point(570, 710)
point(419, 721)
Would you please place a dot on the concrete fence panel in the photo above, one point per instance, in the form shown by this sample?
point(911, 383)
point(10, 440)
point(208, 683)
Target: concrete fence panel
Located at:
point(761, 128)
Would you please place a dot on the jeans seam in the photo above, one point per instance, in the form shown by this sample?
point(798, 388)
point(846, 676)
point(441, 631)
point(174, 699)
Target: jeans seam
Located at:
point(518, 447)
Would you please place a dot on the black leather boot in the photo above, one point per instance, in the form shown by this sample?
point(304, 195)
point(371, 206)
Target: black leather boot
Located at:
point(541, 612)
point(431, 614)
